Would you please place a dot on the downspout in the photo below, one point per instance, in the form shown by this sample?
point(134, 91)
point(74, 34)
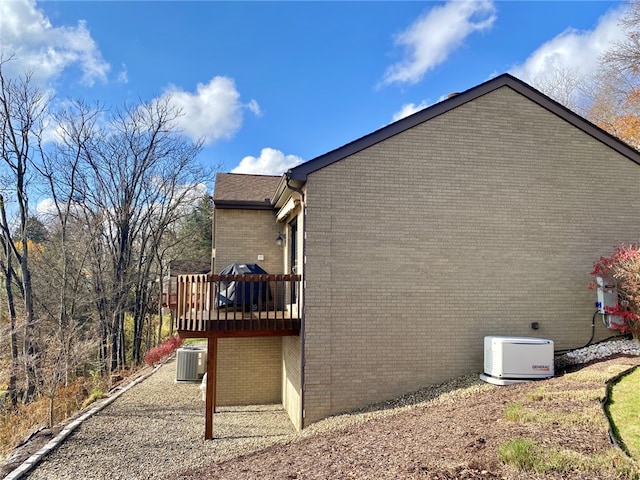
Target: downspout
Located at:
point(303, 206)
point(213, 236)
point(287, 179)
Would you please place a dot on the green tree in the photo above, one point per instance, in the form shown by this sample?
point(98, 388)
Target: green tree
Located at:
point(196, 229)
point(36, 230)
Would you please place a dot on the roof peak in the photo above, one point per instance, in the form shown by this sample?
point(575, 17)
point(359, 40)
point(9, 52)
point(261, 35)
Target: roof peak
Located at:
point(302, 171)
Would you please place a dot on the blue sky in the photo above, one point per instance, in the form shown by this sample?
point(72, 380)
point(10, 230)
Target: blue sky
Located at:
point(271, 84)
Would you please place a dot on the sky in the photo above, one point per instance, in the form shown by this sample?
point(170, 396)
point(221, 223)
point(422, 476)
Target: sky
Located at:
point(268, 85)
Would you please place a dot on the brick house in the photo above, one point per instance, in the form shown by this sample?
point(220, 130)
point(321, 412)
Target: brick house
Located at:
point(476, 216)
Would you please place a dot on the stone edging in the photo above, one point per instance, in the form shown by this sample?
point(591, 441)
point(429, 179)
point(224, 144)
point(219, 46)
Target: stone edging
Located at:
point(613, 436)
point(34, 459)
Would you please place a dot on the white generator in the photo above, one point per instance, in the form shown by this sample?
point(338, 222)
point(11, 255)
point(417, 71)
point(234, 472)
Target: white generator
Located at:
point(510, 360)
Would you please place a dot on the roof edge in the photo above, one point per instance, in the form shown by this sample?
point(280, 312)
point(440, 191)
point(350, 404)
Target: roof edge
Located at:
point(302, 171)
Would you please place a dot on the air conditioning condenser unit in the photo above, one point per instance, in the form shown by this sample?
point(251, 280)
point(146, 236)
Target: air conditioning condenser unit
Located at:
point(510, 360)
point(191, 364)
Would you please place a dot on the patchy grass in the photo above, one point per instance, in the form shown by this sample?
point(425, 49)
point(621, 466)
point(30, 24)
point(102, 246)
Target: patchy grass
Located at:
point(528, 455)
point(624, 408)
point(586, 395)
point(517, 412)
point(596, 376)
point(96, 394)
point(576, 402)
point(18, 424)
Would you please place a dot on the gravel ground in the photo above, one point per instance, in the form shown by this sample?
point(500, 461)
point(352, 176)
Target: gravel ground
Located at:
point(160, 431)
point(160, 426)
point(458, 436)
point(598, 351)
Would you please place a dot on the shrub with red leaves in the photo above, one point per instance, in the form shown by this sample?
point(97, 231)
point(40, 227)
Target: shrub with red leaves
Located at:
point(157, 354)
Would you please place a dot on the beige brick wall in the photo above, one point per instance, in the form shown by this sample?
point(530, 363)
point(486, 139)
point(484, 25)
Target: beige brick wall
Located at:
point(478, 222)
point(263, 369)
point(291, 379)
point(292, 346)
point(249, 371)
point(242, 235)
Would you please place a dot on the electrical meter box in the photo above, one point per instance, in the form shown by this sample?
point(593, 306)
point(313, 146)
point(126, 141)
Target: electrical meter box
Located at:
point(607, 294)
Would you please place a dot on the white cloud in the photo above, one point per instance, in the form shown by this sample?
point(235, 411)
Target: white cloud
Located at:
point(254, 107)
point(572, 50)
point(432, 37)
point(213, 111)
point(44, 50)
point(46, 208)
point(123, 75)
point(409, 109)
point(270, 162)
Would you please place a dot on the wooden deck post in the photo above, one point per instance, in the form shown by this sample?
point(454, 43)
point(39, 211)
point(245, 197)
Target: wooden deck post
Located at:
point(210, 404)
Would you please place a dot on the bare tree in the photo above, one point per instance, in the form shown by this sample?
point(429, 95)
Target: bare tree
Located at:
point(563, 84)
point(22, 108)
point(10, 276)
point(133, 177)
point(53, 367)
point(119, 185)
point(65, 298)
point(614, 91)
point(625, 55)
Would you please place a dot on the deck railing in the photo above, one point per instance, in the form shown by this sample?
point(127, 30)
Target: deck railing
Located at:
point(237, 303)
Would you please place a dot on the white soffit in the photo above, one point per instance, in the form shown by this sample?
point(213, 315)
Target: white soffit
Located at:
point(286, 209)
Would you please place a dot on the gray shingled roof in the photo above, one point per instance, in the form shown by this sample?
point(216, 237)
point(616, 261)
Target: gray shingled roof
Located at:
point(234, 188)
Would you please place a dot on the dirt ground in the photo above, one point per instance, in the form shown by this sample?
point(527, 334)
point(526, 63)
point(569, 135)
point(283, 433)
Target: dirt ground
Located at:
point(446, 440)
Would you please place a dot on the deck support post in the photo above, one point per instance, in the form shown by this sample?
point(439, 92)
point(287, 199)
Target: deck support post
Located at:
point(210, 404)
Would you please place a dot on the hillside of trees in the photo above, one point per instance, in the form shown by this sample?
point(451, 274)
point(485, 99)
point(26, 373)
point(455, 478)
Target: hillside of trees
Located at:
point(120, 193)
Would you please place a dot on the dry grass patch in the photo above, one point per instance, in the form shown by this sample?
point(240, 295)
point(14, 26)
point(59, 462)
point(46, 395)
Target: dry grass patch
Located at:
point(573, 402)
point(580, 394)
point(517, 412)
point(528, 455)
point(598, 376)
point(18, 424)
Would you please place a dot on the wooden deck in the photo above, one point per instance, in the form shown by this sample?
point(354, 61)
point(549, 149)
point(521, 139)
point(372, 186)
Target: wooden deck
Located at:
point(219, 306)
point(238, 305)
point(233, 321)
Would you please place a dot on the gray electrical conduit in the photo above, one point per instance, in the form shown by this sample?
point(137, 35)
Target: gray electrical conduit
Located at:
point(593, 332)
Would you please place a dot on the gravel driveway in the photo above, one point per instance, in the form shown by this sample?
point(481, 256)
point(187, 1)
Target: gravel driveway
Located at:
point(157, 429)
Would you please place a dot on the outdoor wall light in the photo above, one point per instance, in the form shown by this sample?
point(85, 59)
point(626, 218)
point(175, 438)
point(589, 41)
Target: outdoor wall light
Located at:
point(280, 240)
